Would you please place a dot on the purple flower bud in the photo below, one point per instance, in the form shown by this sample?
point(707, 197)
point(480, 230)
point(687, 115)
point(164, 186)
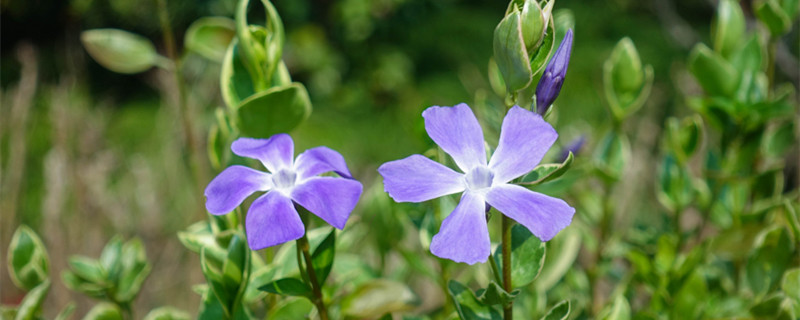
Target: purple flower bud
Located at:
point(574, 146)
point(550, 84)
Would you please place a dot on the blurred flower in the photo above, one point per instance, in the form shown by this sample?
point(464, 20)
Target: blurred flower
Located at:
point(574, 146)
point(272, 218)
point(464, 236)
point(553, 78)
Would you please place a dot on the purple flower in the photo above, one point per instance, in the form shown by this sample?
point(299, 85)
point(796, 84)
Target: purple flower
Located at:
point(553, 77)
point(272, 218)
point(464, 236)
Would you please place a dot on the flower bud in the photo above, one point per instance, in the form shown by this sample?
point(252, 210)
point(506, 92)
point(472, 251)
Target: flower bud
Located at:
point(553, 77)
point(533, 25)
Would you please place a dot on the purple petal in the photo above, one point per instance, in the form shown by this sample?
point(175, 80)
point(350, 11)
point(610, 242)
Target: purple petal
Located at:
point(272, 220)
point(331, 199)
point(464, 235)
point(232, 186)
point(319, 160)
point(417, 179)
point(457, 131)
point(524, 139)
point(543, 215)
point(275, 153)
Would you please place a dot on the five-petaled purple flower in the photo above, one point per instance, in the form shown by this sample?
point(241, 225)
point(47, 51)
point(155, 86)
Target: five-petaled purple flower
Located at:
point(272, 218)
point(464, 236)
point(554, 74)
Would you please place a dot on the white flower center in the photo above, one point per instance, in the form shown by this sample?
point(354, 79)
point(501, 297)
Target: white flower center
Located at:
point(479, 178)
point(284, 179)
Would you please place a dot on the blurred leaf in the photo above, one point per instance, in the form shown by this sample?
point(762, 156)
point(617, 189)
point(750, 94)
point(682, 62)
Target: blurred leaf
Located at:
point(563, 251)
point(28, 262)
point(110, 258)
point(119, 50)
point(167, 313)
point(772, 15)
point(690, 300)
point(791, 283)
point(558, 312)
point(612, 154)
point(288, 287)
point(30, 307)
point(104, 311)
point(626, 83)
point(527, 256)
point(276, 110)
point(728, 27)
point(618, 310)
point(88, 269)
point(772, 254)
point(665, 256)
point(675, 185)
point(378, 297)
point(66, 312)
point(7, 312)
point(495, 295)
point(135, 270)
point(322, 258)
point(510, 53)
point(291, 309)
point(779, 139)
point(211, 308)
point(713, 73)
point(467, 305)
point(76, 283)
point(210, 37)
point(546, 172)
point(769, 307)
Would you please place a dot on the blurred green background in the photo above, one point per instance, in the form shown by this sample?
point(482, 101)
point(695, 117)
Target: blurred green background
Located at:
point(86, 153)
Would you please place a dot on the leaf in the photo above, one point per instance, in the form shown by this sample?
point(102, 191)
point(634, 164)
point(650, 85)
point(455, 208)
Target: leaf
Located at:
point(135, 270)
point(546, 172)
point(768, 308)
point(322, 258)
point(234, 80)
point(119, 50)
point(689, 301)
point(110, 258)
point(495, 295)
point(769, 259)
point(31, 305)
point(772, 15)
point(779, 140)
point(234, 264)
point(540, 58)
point(28, 262)
point(76, 283)
point(210, 37)
point(558, 312)
point(66, 313)
point(618, 310)
point(728, 27)
point(675, 188)
point(510, 53)
point(467, 305)
point(213, 274)
point(167, 313)
point(104, 311)
point(378, 297)
point(613, 154)
point(288, 287)
point(291, 309)
point(88, 269)
point(714, 74)
point(527, 256)
point(563, 251)
point(276, 110)
point(791, 283)
point(211, 308)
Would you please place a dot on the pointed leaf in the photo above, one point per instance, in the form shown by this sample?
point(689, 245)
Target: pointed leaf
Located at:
point(322, 258)
point(547, 172)
point(467, 305)
point(288, 287)
point(276, 110)
point(495, 295)
point(28, 262)
point(558, 312)
point(119, 50)
point(31, 305)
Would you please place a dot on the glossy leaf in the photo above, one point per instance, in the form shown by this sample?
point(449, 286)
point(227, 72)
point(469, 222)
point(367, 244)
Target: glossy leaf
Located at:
point(210, 37)
point(234, 80)
point(378, 297)
point(467, 305)
point(322, 258)
point(558, 312)
point(119, 50)
point(510, 53)
point(288, 287)
point(276, 110)
point(527, 256)
point(28, 262)
point(111, 258)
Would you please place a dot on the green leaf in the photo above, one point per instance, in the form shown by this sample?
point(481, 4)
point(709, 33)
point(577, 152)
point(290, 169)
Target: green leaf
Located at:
point(540, 57)
point(510, 53)
point(135, 270)
point(772, 15)
point(495, 295)
point(618, 310)
point(291, 309)
point(467, 305)
point(675, 188)
point(119, 50)
point(104, 311)
point(791, 283)
point(31, 305)
point(288, 287)
point(76, 283)
point(234, 264)
point(546, 172)
point(213, 274)
point(769, 307)
point(767, 262)
point(211, 308)
point(714, 74)
point(210, 37)
point(690, 300)
point(779, 139)
point(110, 258)
point(527, 256)
point(626, 83)
point(322, 258)
point(167, 313)
point(728, 27)
point(665, 255)
point(378, 297)
point(277, 110)
point(66, 312)
point(88, 269)
point(28, 262)
point(234, 80)
point(558, 312)
point(613, 154)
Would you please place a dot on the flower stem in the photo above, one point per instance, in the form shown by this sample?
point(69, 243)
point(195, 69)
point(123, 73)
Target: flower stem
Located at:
point(316, 289)
point(508, 313)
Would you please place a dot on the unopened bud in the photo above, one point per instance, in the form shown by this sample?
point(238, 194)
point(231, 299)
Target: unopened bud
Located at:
point(553, 77)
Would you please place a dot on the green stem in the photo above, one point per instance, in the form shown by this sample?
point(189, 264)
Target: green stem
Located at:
point(508, 313)
point(316, 289)
point(772, 47)
point(495, 270)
